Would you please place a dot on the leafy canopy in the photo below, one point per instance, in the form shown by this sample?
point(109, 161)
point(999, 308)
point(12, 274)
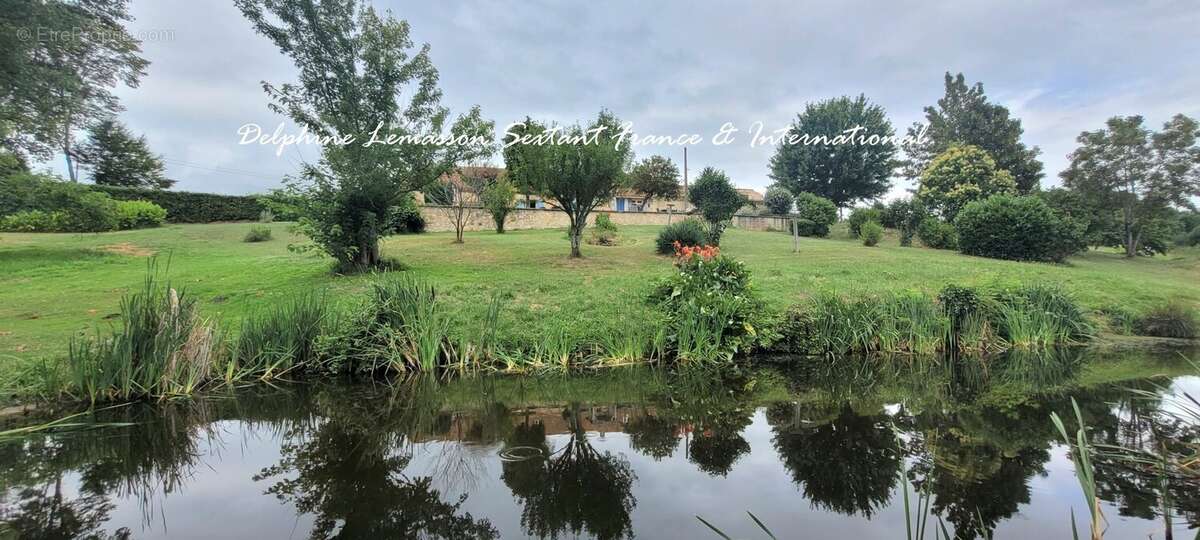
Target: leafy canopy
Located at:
point(717, 200)
point(577, 172)
point(960, 175)
point(117, 158)
point(59, 64)
point(655, 177)
point(842, 173)
point(778, 200)
point(965, 117)
point(1128, 169)
point(354, 68)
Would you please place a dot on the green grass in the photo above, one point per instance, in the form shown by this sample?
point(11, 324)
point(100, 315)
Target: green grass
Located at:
point(56, 286)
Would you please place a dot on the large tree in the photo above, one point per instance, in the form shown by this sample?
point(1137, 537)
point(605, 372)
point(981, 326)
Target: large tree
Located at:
point(844, 173)
point(655, 177)
point(717, 200)
point(59, 61)
point(360, 77)
point(116, 157)
point(965, 117)
point(1140, 174)
point(576, 168)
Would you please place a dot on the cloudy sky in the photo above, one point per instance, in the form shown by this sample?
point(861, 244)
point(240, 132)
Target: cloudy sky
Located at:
point(686, 67)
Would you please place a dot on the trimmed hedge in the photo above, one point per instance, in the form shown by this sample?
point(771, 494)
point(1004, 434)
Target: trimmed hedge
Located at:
point(188, 207)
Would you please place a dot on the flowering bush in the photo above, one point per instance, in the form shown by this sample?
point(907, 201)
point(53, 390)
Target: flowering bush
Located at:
point(683, 253)
point(713, 311)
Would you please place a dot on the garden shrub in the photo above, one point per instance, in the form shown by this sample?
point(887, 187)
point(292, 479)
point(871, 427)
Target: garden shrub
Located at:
point(713, 314)
point(1173, 319)
point(871, 232)
point(688, 233)
point(405, 217)
point(604, 231)
point(859, 216)
point(937, 234)
point(90, 212)
point(818, 210)
point(139, 215)
point(32, 221)
point(1015, 228)
point(188, 207)
point(258, 233)
point(80, 209)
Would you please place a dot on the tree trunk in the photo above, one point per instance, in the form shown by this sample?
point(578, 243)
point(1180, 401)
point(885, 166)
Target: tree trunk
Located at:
point(1130, 240)
point(576, 234)
point(499, 223)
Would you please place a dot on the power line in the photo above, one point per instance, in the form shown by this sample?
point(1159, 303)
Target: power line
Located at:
point(222, 170)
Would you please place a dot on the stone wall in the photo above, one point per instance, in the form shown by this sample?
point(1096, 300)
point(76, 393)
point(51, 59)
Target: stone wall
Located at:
point(437, 220)
point(761, 223)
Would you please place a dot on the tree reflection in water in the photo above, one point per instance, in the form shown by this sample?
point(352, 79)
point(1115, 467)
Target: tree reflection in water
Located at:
point(974, 436)
point(347, 470)
point(574, 489)
point(844, 461)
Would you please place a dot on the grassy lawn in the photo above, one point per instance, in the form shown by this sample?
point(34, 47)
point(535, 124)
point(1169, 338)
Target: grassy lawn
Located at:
point(53, 286)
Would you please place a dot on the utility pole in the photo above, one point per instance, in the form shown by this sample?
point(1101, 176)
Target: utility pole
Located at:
point(685, 179)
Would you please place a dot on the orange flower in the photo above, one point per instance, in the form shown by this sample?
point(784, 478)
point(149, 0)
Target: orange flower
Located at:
point(686, 253)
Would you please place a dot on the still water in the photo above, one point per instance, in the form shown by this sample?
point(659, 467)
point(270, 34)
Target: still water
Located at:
point(813, 451)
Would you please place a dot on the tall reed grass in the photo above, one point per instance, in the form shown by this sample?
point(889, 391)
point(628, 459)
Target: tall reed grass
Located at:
point(964, 320)
point(282, 339)
point(162, 348)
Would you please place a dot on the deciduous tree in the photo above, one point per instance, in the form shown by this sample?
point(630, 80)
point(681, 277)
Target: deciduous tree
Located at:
point(655, 177)
point(497, 198)
point(778, 200)
point(360, 77)
point(576, 171)
point(965, 117)
point(1127, 168)
point(717, 200)
point(843, 173)
point(960, 175)
point(59, 61)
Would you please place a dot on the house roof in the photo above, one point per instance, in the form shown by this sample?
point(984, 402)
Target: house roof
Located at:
point(751, 195)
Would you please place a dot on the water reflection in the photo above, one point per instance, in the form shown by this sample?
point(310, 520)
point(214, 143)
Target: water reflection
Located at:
point(491, 458)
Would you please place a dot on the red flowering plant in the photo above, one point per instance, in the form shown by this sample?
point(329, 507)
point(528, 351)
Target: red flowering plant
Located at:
point(712, 310)
point(684, 254)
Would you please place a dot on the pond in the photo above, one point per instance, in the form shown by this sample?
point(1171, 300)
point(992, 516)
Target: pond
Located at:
point(816, 450)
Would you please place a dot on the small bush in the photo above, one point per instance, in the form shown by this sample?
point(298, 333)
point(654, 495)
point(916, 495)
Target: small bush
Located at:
point(90, 212)
point(937, 234)
point(139, 215)
point(406, 218)
point(821, 212)
point(1015, 228)
point(859, 216)
point(1173, 320)
point(266, 216)
point(1189, 239)
point(871, 232)
point(604, 231)
point(258, 233)
point(32, 221)
point(689, 232)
